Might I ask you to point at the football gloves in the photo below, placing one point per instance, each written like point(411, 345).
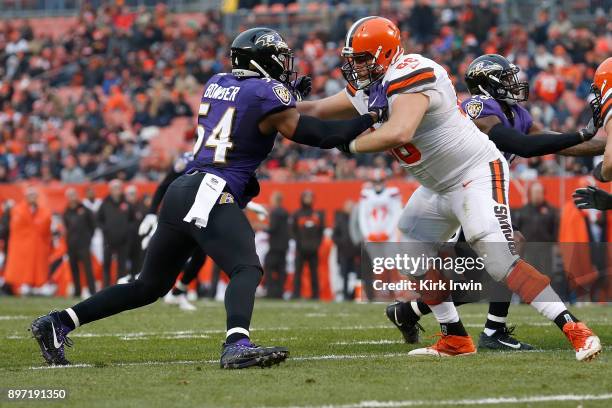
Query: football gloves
point(377, 100)
point(592, 197)
point(589, 131)
point(302, 87)
point(146, 229)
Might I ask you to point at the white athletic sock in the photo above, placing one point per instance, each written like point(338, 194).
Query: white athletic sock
point(445, 312)
point(237, 330)
point(74, 317)
point(415, 308)
point(498, 319)
point(548, 303)
point(181, 286)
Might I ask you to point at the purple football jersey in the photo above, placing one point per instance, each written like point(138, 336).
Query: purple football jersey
point(480, 106)
point(229, 142)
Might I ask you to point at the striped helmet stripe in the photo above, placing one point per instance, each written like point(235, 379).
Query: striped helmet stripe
point(351, 31)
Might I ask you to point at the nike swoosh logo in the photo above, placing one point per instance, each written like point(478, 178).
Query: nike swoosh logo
point(56, 343)
point(514, 346)
point(467, 183)
point(395, 317)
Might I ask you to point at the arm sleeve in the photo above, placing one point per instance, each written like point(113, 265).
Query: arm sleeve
point(512, 141)
point(327, 134)
point(160, 191)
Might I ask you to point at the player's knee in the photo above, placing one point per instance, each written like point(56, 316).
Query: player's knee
point(247, 271)
point(497, 256)
point(526, 281)
point(149, 291)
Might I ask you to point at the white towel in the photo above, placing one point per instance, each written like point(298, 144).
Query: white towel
point(208, 193)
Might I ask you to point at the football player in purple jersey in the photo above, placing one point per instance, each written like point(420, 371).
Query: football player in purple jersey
point(239, 117)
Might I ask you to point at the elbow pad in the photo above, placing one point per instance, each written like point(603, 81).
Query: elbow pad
point(327, 134)
point(510, 140)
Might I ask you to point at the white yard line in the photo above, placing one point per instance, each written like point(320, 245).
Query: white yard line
point(15, 317)
point(304, 358)
point(468, 402)
point(179, 333)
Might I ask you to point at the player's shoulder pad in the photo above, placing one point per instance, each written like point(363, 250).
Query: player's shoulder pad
point(275, 90)
point(412, 73)
point(477, 106)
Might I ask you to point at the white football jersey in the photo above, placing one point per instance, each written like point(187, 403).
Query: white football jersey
point(446, 144)
point(379, 212)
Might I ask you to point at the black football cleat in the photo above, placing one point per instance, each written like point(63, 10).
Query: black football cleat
point(502, 340)
point(408, 326)
point(244, 354)
point(51, 337)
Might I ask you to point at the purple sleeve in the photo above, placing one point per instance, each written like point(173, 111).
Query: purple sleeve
point(482, 106)
point(274, 97)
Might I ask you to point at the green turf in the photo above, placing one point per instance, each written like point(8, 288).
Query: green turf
point(159, 357)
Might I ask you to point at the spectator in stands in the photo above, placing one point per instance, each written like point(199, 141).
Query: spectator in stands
point(72, 173)
point(80, 225)
point(275, 262)
point(114, 218)
point(29, 245)
point(422, 22)
point(549, 86)
point(308, 225)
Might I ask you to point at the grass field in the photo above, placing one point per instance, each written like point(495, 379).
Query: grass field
point(341, 355)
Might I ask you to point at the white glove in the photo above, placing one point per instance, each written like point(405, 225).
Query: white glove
point(147, 229)
point(258, 209)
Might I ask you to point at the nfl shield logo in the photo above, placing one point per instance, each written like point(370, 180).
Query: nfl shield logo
point(473, 108)
point(282, 93)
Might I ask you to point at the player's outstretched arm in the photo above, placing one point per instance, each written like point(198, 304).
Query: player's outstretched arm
point(337, 106)
point(312, 131)
point(590, 147)
point(408, 111)
point(510, 140)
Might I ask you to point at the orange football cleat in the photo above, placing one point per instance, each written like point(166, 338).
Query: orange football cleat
point(447, 346)
point(584, 341)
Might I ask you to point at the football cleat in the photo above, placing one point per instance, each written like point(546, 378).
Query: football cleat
point(408, 327)
point(584, 341)
point(244, 354)
point(51, 336)
point(502, 340)
point(447, 346)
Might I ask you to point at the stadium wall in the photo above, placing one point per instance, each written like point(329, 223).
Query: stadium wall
point(329, 196)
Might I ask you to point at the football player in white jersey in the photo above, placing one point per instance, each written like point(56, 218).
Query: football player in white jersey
point(380, 207)
point(464, 178)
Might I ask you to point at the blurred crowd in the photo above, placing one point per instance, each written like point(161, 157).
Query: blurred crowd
point(85, 105)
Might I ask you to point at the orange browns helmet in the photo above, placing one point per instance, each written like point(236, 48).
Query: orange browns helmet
point(602, 89)
point(372, 44)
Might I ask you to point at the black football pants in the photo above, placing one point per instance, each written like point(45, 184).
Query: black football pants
point(228, 239)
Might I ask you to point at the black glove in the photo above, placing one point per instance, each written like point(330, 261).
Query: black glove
point(597, 173)
point(302, 87)
point(592, 197)
point(589, 131)
point(344, 148)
